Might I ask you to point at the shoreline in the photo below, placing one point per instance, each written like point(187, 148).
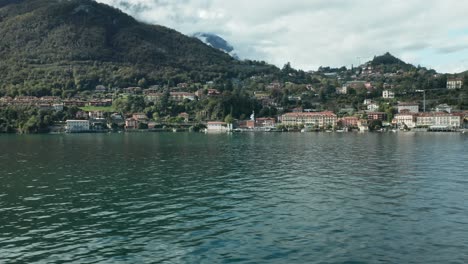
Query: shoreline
point(460, 131)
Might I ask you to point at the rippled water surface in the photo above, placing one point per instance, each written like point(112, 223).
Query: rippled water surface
point(247, 198)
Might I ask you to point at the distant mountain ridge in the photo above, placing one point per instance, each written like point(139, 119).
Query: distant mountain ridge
point(216, 42)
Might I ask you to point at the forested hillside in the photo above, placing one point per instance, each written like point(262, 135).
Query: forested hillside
point(50, 46)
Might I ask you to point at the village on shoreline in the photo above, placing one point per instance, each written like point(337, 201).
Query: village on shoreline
point(94, 117)
point(370, 97)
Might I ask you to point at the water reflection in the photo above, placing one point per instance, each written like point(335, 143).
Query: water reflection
point(271, 198)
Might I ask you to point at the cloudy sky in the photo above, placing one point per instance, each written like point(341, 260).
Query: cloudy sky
point(311, 33)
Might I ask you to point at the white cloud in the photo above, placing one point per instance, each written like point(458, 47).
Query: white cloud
point(310, 33)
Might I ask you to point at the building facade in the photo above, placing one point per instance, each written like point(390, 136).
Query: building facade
point(372, 107)
point(217, 126)
point(377, 116)
point(349, 121)
point(443, 108)
point(405, 119)
point(77, 126)
point(441, 119)
point(317, 119)
point(387, 94)
point(409, 107)
point(454, 83)
point(181, 96)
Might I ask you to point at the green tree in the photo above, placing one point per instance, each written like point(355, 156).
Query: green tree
point(229, 119)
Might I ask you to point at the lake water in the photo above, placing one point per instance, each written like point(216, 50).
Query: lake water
point(238, 198)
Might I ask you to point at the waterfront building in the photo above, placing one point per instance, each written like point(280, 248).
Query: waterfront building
point(349, 121)
point(410, 107)
point(218, 126)
point(363, 125)
point(439, 119)
point(405, 119)
point(77, 126)
point(318, 119)
point(135, 121)
point(265, 122)
point(131, 123)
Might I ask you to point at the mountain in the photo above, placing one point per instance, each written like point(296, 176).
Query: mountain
point(389, 63)
point(49, 46)
point(387, 59)
point(216, 42)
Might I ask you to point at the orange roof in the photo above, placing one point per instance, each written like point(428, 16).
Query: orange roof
point(325, 113)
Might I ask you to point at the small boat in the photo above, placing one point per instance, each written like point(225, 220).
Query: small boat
point(307, 129)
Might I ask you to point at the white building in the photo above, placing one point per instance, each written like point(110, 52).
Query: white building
point(77, 126)
point(439, 119)
point(342, 90)
point(96, 114)
point(387, 94)
point(410, 107)
point(407, 119)
point(363, 126)
point(217, 126)
point(372, 107)
point(181, 96)
point(58, 107)
point(454, 83)
point(318, 119)
point(368, 101)
point(443, 108)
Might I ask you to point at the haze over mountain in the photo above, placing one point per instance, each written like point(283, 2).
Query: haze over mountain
point(80, 43)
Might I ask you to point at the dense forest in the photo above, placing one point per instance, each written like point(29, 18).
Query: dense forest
point(50, 46)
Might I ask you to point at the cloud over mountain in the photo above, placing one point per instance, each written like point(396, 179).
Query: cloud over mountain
point(312, 33)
